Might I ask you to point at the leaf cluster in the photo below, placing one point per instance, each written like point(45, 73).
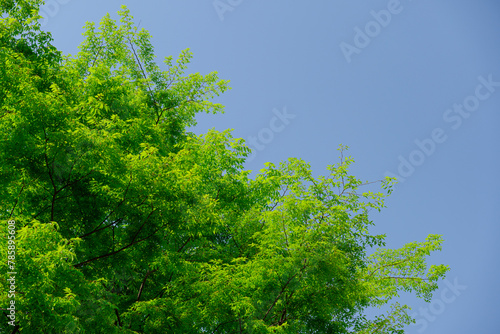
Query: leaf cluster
point(128, 223)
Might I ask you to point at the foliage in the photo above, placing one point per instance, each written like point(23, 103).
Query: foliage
point(127, 223)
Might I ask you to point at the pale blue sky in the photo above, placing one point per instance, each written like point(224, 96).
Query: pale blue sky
point(379, 99)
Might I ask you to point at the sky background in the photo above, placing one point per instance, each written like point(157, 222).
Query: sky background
point(390, 89)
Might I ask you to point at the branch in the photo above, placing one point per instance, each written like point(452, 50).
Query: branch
point(286, 236)
point(117, 206)
point(283, 290)
point(391, 264)
point(143, 224)
point(16, 329)
point(406, 278)
point(96, 57)
point(155, 103)
point(54, 194)
point(17, 200)
point(133, 242)
point(143, 283)
point(184, 245)
point(222, 324)
point(118, 317)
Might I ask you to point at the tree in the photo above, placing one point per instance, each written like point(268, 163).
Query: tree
point(125, 222)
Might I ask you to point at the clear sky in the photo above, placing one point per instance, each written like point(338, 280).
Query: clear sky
point(412, 87)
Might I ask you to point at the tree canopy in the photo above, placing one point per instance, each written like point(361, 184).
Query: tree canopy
point(126, 222)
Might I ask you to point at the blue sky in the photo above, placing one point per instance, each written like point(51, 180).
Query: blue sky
point(412, 87)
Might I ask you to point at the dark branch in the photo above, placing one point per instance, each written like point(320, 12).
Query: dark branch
point(143, 283)
point(133, 242)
